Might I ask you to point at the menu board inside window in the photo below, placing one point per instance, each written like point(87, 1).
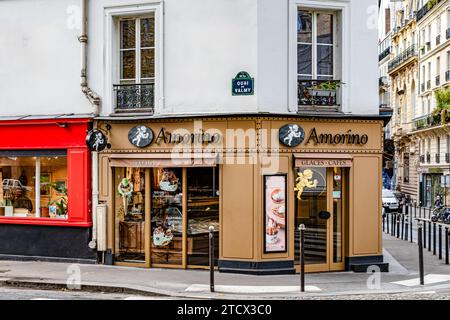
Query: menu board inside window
point(275, 222)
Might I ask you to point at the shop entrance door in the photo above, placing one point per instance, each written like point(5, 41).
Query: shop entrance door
point(322, 209)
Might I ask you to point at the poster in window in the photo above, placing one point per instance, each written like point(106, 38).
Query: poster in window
point(275, 222)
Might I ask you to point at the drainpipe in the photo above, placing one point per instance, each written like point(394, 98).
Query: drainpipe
point(94, 99)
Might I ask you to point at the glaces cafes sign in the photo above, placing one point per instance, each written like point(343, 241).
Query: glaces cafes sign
point(292, 135)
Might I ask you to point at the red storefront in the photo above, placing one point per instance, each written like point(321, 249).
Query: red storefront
point(45, 169)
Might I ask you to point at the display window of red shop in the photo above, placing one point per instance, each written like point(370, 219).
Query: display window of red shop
point(45, 173)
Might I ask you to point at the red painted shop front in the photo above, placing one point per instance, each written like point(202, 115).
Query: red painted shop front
point(45, 197)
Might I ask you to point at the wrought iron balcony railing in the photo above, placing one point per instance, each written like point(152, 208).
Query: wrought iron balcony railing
point(321, 93)
point(438, 39)
point(134, 97)
point(437, 158)
point(428, 84)
point(447, 75)
point(426, 121)
point(425, 9)
point(428, 157)
point(422, 87)
point(438, 80)
point(403, 57)
point(384, 54)
point(447, 157)
point(447, 34)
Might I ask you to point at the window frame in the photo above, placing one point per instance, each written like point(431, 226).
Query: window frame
point(315, 44)
point(343, 54)
point(111, 43)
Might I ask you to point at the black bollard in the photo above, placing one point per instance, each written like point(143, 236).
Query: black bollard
point(403, 226)
point(302, 229)
point(434, 238)
point(429, 235)
point(446, 245)
point(398, 226)
point(419, 241)
point(440, 242)
point(211, 258)
point(424, 234)
point(407, 227)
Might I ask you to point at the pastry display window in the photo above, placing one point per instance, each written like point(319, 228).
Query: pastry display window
point(202, 212)
point(130, 214)
point(167, 216)
point(34, 185)
point(162, 215)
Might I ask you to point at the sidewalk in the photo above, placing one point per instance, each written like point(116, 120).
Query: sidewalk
point(401, 255)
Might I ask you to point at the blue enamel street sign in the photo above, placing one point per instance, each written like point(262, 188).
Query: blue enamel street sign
point(242, 84)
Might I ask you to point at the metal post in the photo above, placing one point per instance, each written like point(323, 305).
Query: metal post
point(398, 226)
point(434, 238)
point(302, 229)
point(387, 223)
point(440, 242)
point(403, 226)
point(424, 235)
point(411, 229)
point(419, 240)
point(429, 235)
point(446, 245)
point(211, 258)
point(383, 215)
point(407, 226)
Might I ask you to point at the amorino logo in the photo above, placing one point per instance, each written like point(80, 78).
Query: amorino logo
point(339, 138)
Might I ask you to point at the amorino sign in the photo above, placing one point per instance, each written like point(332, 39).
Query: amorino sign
point(292, 135)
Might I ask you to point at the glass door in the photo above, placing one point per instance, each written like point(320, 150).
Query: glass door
point(320, 207)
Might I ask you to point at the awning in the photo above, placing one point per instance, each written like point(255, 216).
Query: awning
point(322, 160)
point(164, 160)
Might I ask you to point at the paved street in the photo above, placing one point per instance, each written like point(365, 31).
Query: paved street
point(112, 282)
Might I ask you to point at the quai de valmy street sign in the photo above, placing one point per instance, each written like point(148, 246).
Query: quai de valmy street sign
point(242, 84)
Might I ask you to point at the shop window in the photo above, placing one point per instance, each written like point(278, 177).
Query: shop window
point(34, 185)
point(130, 214)
point(167, 216)
point(202, 212)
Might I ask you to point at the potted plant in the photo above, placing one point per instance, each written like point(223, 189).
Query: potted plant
point(442, 105)
point(325, 92)
point(58, 207)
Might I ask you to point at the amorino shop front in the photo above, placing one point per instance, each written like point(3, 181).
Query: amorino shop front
point(255, 179)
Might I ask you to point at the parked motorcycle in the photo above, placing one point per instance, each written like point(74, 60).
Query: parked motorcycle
point(441, 214)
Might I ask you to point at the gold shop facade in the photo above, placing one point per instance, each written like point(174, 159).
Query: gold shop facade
point(255, 180)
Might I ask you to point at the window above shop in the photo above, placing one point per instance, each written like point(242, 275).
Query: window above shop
point(34, 184)
point(318, 60)
point(133, 48)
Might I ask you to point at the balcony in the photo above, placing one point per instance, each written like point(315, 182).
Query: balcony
point(428, 157)
point(384, 54)
point(422, 159)
point(438, 40)
point(438, 80)
point(437, 158)
point(402, 57)
point(425, 9)
point(447, 157)
point(426, 121)
point(447, 75)
point(319, 93)
point(134, 97)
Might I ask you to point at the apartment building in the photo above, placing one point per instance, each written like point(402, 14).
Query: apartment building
point(251, 117)
point(430, 127)
point(403, 73)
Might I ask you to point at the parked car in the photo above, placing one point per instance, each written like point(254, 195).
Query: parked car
point(390, 202)
point(13, 184)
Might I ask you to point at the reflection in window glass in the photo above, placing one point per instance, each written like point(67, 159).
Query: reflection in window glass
point(130, 214)
point(202, 212)
point(167, 219)
point(21, 196)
